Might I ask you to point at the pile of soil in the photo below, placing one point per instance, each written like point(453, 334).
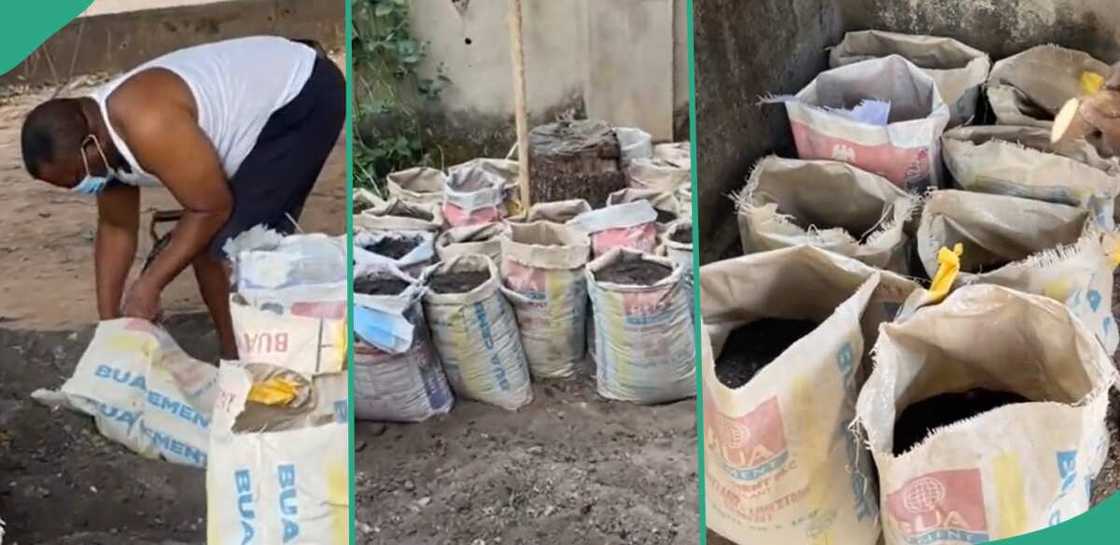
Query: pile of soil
point(751, 347)
point(379, 285)
point(665, 216)
point(636, 272)
point(458, 281)
point(683, 236)
point(917, 421)
point(394, 247)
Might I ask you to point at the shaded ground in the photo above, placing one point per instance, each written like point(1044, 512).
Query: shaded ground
point(571, 468)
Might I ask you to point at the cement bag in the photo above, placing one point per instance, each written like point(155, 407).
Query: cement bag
point(397, 376)
point(265, 263)
point(781, 463)
point(643, 329)
point(676, 244)
point(656, 174)
point(1021, 162)
point(557, 211)
point(310, 338)
point(684, 197)
point(542, 277)
point(1031, 87)
point(665, 204)
point(1015, 469)
point(482, 239)
point(829, 204)
point(633, 144)
point(1032, 246)
point(420, 185)
point(143, 391)
point(958, 70)
point(475, 334)
point(409, 251)
point(279, 469)
point(632, 225)
point(676, 153)
point(904, 147)
point(501, 171)
point(397, 214)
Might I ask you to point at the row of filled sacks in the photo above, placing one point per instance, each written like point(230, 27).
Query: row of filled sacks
point(1039, 247)
point(492, 326)
point(845, 403)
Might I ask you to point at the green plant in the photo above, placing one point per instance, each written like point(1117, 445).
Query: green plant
point(389, 91)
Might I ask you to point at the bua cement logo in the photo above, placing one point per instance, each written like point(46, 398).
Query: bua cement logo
point(941, 507)
point(751, 446)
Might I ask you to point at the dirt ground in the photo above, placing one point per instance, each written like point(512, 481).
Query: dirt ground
point(61, 482)
point(571, 468)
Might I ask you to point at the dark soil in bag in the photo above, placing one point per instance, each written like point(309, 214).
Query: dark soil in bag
point(664, 216)
point(458, 282)
point(753, 346)
point(641, 273)
point(394, 247)
point(683, 236)
point(918, 420)
point(380, 286)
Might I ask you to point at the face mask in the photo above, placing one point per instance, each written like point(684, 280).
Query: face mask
point(92, 185)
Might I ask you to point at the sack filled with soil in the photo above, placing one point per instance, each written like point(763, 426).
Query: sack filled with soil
point(633, 143)
point(1022, 162)
point(829, 204)
point(676, 244)
point(632, 225)
point(556, 211)
point(475, 332)
point(958, 69)
point(409, 251)
point(542, 277)
point(656, 175)
point(784, 348)
point(1028, 89)
point(1007, 466)
point(396, 214)
point(840, 116)
point(420, 185)
point(484, 239)
point(1032, 246)
point(397, 376)
point(664, 203)
point(481, 191)
point(641, 306)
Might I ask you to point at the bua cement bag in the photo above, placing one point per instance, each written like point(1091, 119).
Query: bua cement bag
point(556, 211)
point(278, 468)
point(1030, 88)
point(542, 277)
point(397, 376)
point(396, 214)
point(829, 204)
point(643, 331)
point(632, 225)
point(308, 337)
point(664, 203)
point(475, 334)
point(905, 150)
point(143, 391)
point(409, 251)
point(782, 465)
point(481, 191)
point(1021, 162)
point(421, 185)
point(266, 263)
point(958, 70)
point(1015, 469)
point(1032, 246)
point(482, 239)
point(633, 144)
point(676, 244)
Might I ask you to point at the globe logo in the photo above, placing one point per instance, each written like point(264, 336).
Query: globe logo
point(923, 495)
point(740, 435)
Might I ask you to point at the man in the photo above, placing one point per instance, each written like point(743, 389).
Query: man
point(237, 131)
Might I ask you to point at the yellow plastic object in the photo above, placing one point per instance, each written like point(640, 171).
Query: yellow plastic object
point(274, 391)
point(1091, 82)
point(949, 262)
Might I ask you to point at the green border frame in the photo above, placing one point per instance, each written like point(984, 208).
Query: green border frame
point(352, 442)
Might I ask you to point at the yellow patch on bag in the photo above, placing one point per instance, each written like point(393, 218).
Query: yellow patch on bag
point(1011, 496)
point(274, 391)
point(1091, 82)
point(949, 267)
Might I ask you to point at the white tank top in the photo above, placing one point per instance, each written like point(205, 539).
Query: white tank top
point(237, 84)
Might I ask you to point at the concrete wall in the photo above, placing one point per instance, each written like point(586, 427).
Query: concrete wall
point(101, 7)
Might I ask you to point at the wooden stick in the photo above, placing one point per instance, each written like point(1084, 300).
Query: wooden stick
point(519, 108)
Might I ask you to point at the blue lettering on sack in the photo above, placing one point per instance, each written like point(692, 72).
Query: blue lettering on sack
point(1067, 472)
point(154, 398)
point(289, 507)
point(341, 411)
point(168, 444)
point(243, 485)
point(1094, 300)
point(488, 342)
point(859, 483)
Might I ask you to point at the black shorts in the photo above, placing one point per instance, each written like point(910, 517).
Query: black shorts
point(274, 180)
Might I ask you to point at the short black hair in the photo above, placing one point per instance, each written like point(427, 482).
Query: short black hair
point(54, 127)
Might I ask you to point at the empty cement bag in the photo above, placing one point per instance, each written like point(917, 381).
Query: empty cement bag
point(542, 277)
point(664, 203)
point(397, 376)
point(905, 149)
point(642, 308)
point(475, 332)
point(1022, 162)
point(1032, 246)
point(482, 239)
point(958, 69)
point(829, 204)
point(1028, 89)
point(142, 391)
point(308, 337)
point(676, 244)
point(409, 251)
point(421, 185)
point(481, 191)
point(396, 214)
point(278, 468)
point(266, 263)
point(784, 345)
point(985, 415)
point(633, 144)
point(631, 225)
point(678, 154)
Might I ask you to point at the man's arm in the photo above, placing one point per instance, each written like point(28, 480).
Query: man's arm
point(118, 220)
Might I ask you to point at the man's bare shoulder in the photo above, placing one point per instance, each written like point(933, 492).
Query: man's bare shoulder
point(148, 100)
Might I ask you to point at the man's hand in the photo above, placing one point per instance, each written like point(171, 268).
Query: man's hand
point(142, 301)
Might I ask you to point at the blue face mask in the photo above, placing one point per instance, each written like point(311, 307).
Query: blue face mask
point(92, 185)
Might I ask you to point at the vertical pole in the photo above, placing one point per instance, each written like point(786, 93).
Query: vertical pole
point(520, 110)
